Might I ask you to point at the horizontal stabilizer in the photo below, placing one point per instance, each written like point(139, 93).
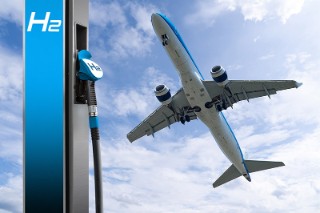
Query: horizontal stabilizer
point(255, 166)
point(230, 174)
point(251, 165)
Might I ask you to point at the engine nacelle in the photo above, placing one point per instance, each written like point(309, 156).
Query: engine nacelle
point(163, 94)
point(219, 75)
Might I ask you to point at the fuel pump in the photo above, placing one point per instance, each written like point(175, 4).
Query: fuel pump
point(89, 73)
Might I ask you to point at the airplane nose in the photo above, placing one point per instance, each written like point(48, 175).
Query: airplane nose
point(154, 18)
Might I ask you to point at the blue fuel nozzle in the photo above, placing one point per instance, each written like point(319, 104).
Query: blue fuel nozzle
point(89, 70)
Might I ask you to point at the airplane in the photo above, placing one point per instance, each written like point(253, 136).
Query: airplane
point(199, 98)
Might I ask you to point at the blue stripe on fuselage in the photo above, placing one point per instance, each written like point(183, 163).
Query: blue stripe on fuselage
point(174, 29)
point(236, 142)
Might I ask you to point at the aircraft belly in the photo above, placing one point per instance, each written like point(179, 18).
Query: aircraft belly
point(197, 95)
point(176, 53)
point(174, 48)
point(224, 138)
point(213, 120)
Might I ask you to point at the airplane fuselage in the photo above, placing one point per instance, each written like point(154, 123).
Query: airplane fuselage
point(196, 93)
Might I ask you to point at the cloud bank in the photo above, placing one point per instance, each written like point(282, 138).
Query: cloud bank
point(207, 11)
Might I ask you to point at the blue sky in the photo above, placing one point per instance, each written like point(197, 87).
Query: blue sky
point(173, 172)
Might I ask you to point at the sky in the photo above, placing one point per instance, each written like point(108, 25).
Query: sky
point(174, 172)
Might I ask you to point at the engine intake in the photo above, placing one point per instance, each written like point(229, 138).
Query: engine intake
point(219, 75)
point(163, 94)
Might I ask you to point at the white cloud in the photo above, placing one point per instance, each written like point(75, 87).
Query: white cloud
point(130, 42)
point(133, 188)
point(206, 11)
point(103, 15)
point(254, 10)
point(294, 105)
point(11, 116)
point(298, 105)
point(142, 16)
point(11, 106)
point(285, 9)
point(255, 39)
point(121, 31)
point(266, 57)
point(11, 194)
point(11, 149)
point(258, 10)
point(233, 67)
point(10, 74)
point(176, 176)
point(12, 11)
point(136, 100)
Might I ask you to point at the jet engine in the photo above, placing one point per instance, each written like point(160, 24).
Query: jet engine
point(219, 75)
point(163, 94)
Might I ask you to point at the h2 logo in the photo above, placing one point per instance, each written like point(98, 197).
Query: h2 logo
point(54, 25)
point(94, 66)
point(91, 70)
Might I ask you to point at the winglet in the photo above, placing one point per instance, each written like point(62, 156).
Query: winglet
point(298, 84)
point(130, 137)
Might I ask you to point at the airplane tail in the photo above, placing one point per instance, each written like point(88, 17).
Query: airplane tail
point(252, 166)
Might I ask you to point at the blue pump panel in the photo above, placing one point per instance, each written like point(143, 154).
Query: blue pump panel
point(43, 106)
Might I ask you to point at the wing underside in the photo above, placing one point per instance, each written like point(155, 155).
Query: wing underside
point(163, 116)
point(238, 90)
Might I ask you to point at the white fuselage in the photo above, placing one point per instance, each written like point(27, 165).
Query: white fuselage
point(196, 93)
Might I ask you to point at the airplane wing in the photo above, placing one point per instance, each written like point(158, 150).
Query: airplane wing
point(163, 117)
point(238, 90)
